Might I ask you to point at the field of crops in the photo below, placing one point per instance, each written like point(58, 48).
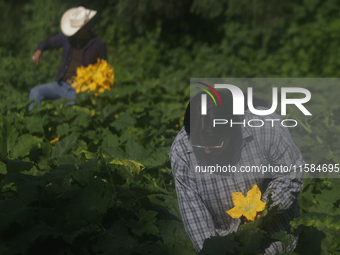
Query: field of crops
point(105, 185)
point(95, 178)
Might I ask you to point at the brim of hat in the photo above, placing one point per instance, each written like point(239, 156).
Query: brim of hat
point(65, 23)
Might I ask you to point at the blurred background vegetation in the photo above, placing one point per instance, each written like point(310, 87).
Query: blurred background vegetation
point(169, 42)
point(155, 47)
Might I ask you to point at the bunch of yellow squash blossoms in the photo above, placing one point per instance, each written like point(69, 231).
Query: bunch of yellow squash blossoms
point(97, 77)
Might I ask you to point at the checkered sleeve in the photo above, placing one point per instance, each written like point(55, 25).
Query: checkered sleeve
point(52, 42)
point(282, 151)
point(197, 220)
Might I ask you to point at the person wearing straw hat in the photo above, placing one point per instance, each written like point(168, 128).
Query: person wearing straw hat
point(80, 48)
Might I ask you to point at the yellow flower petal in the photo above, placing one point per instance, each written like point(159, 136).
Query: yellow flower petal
point(54, 140)
point(97, 77)
point(247, 206)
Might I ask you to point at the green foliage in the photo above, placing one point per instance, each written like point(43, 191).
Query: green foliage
point(252, 238)
point(105, 187)
point(317, 220)
point(100, 187)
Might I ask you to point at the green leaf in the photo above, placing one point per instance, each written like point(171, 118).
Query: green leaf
point(15, 165)
point(88, 204)
point(124, 121)
point(306, 197)
point(319, 153)
point(251, 241)
point(27, 185)
point(167, 203)
point(311, 241)
point(35, 124)
point(108, 111)
point(68, 159)
point(3, 138)
point(24, 144)
point(13, 210)
point(31, 236)
point(157, 159)
point(86, 155)
point(133, 166)
point(122, 171)
point(63, 129)
point(126, 198)
point(82, 120)
point(58, 175)
point(219, 245)
point(70, 237)
point(64, 145)
point(281, 236)
point(144, 224)
point(323, 208)
point(115, 237)
point(12, 137)
point(329, 195)
point(80, 146)
point(83, 110)
point(83, 176)
point(317, 220)
point(3, 169)
point(175, 237)
point(110, 146)
point(135, 151)
point(143, 189)
point(90, 164)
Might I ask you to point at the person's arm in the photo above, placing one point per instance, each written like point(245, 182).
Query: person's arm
point(197, 220)
point(282, 150)
point(50, 43)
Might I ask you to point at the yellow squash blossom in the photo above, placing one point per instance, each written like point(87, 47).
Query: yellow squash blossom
point(247, 206)
point(54, 140)
point(98, 77)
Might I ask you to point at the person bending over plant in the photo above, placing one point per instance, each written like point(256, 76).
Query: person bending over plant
point(80, 48)
point(208, 164)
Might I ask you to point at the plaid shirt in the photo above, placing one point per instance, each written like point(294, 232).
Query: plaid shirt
point(94, 49)
point(204, 198)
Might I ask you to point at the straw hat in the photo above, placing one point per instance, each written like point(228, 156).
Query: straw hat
point(74, 19)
